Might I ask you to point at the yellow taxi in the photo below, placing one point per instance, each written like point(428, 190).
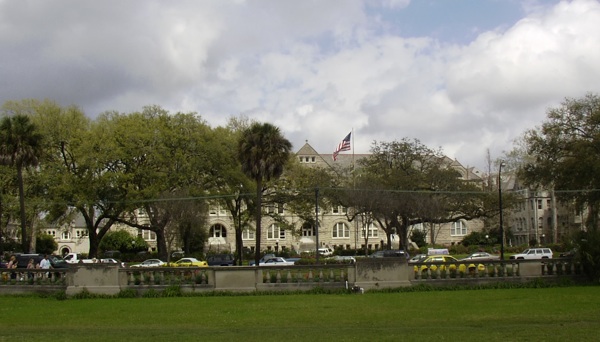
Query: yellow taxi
point(187, 262)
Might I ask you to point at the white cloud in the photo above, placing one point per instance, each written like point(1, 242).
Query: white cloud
point(315, 68)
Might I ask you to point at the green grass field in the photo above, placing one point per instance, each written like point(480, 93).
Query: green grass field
point(544, 314)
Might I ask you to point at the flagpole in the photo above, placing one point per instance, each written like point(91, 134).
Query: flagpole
point(352, 150)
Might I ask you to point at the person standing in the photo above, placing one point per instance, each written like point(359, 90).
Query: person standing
point(45, 264)
point(12, 264)
point(30, 265)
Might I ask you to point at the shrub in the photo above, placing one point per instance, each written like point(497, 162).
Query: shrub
point(172, 291)
point(127, 293)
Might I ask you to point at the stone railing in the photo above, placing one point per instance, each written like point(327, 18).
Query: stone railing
point(365, 274)
point(33, 280)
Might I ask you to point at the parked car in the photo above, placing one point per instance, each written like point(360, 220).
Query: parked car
point(187, 262)
point(569, 254)
point(533, 253)
point(262, 260)
point(112, 255)
point(220, 260)
point(481, 256)
point(112, 261)
point(277, 261)
point(177, 254)
point(150, 263)
point(325, 251)
point(345, 259)
point(55, 261)
point(417, 258)
point(390, 253)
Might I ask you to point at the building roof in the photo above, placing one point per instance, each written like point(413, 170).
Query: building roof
point(346, 159)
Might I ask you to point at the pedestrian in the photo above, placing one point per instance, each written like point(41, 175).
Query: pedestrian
point(30, 265)
point(45, 264)
point(12, 264)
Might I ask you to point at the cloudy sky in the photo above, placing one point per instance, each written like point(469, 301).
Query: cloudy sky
point(463, 75)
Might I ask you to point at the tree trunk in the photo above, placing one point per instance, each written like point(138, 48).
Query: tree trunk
point(161, 244)
point(94, 244)
point(258, 219)
point(24, 243)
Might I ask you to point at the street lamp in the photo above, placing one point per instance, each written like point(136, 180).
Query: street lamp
point(500, 204)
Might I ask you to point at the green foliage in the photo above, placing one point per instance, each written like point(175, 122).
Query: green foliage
point(127, 293)
point(564, 150)
point(589, 253)
point(263, 152)
point(475, 238)
point(172, 291)
point(20, 147)
point(419, 237)
point(123, 241)
point(45, 244)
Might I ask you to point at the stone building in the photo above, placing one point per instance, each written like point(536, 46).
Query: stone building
point(335, 231)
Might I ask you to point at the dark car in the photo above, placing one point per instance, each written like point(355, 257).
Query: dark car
point(55, 261)
point(220, 260)
point(390, 253)
point(569, 254)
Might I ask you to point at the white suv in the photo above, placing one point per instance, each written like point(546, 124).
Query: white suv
point(325, 252)
point(534, 253)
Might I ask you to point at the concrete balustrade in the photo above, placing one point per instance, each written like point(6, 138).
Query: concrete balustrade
point(366, 274)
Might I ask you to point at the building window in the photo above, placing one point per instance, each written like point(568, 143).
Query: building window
point(147, 235)
point(458, 229)
point(539, 204)
point(66, 235)
point(247, 234)
point(373, 232)
point(81, 233)
point(215, 209)
point(218, 230)
point(51, 232)
point(341, 230)
point(275, 233)
point(339, 210)
point(273, 208)
point(308, 230)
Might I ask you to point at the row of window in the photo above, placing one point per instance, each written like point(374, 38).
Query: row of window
point(340, 230)
point(66, 235)
point(216, 210)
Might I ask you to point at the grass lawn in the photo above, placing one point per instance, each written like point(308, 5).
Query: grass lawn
point(544, 314)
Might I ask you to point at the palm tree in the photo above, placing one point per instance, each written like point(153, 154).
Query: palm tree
point(20, 147)
point(263, 152)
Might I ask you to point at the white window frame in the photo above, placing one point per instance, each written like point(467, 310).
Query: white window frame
point(458, 228)
point(148, 235)
point(372, 229)
point(308, 230)
point(274, 232)
point(248, 234)
point(340, 231)
point(218, 230)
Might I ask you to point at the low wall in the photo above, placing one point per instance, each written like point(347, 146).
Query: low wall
point(366, 274)
point(378, 273)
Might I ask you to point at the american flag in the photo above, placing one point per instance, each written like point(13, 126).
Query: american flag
point(343, 146)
